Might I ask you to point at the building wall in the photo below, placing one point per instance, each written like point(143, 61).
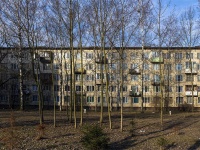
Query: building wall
point(134, 58)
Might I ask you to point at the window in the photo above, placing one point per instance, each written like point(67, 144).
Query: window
point(78, 77)
point(78, 88)
point(178, 56)
point(125, 77)
point(14, 66)
point(113, 88)
point(67, 88)
point(146, 88)
point(125, 100)
point(47, 98)
point(188, 65)
point(134, 66)
point(134, 88)
point(146, 55)
point(99, 99)
point(167, 66)
point(56, 66)
point(198, 55)
point(78, 66)
point(189, 55)
point(146, 66)
point(47, 88)
point(90, 88)
point(168, 89)
point(57, 98)
point(198, 77)
point(146, 99)
point(167, 55)
point(3, 98)
point(98, 76)
point(67, 99)
point(89, 66)
point(189, 78)
point(89, 55)
point(198, 100)
point(146, 77)
point(56, 77)
point(156, 66)
point(90, 77)
point(135, 99)
point(35, 98)
point(124, 88)
point(156, 88)
point(156, 78)
point(179, 78)
point(178, 66)
point(78, 56)
point(34, 88)
point(124, 56)
point(67, 77)
point(56, 87)
point(67, 55)
point(179, 88)
point(67, 66)
point(134, 77)
point(134, 55)
point(168, 77)
point(113, 66)
point(90, 99)
point(46, 66)
point(124, 66)
point(179, 100)
point(198, 66)
point(155, 54)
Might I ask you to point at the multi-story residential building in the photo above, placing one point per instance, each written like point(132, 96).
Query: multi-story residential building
point(175, 71)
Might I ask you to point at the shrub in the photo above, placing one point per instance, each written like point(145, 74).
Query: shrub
point(162, 142)
point(94, 138)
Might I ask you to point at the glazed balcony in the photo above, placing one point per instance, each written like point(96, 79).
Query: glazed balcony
point(79, 71)
point(188, 71)
point(134, 71)
point(134, 94)
point(189, 93)
point(156, 82)
point(157, 60)
point(100, 60)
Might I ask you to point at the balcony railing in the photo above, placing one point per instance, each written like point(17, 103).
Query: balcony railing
point(79, 71)
point(188, 71)
point(189, 93)
point(45, 60)
point(156, 82)
point(134, 94)
point(100, 60)
point(134, 71)
point(157, 60)
point(99, 81)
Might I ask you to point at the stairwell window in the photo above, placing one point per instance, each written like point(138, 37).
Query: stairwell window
point(125, 100)
point(90, 99)
point(179, 89)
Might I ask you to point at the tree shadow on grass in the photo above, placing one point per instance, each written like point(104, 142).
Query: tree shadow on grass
point(195, 146)
point(125, 143)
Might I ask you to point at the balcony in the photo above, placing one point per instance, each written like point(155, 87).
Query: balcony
point(134, 94)
point(189, 93)
point(98, 82)
point(188, 71)
point(134, 71)
point(156, 82)
point(46, 78)
point(79, 71)
point(157, 60)
point(78, 93)
point(45, 60)
point(100, 60)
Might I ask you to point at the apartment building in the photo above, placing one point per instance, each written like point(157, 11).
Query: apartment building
point(148, 75)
